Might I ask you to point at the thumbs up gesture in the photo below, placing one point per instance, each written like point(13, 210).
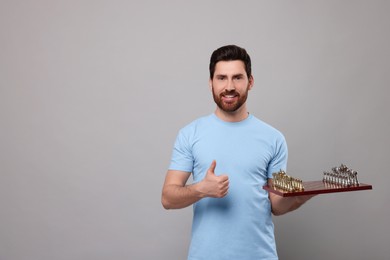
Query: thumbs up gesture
point(213, 185)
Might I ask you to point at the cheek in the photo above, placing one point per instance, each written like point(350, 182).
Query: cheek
point(215, 92)
point(216, 88)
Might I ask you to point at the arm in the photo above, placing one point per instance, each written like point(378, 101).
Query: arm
point(282, 205)
point(176, 194)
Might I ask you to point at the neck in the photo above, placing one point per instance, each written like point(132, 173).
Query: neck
point(236, 116)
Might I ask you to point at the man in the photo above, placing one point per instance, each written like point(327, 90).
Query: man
point(231, 155)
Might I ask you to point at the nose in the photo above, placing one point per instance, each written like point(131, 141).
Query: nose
point(230, 85)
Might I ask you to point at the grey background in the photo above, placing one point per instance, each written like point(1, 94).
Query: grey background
point(92, 94)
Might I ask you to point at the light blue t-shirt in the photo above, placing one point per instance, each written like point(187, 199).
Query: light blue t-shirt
point(238, 226)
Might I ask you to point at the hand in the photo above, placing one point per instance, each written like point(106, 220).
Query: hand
point(213, 185)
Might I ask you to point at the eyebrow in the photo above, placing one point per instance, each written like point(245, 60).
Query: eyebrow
point(234, 75)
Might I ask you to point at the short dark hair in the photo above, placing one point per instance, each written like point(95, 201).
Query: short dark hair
point(230, 53)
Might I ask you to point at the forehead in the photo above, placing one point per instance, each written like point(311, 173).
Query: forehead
point(230, 67)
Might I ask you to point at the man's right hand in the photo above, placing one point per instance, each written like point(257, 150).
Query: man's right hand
point(176, 194)
point(212, 185)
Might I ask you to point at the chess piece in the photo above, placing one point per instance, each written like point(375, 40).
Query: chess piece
point(341, 176)
point(285, 182)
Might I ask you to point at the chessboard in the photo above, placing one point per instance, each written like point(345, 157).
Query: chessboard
point(318, 187)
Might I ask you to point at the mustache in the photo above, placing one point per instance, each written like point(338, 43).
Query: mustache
point(230, 93)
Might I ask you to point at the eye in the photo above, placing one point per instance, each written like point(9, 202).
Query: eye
point(221, 77)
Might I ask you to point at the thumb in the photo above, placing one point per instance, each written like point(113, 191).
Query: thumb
point(212, 168)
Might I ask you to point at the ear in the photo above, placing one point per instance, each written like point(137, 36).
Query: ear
point(251, 82)
point(211, 84)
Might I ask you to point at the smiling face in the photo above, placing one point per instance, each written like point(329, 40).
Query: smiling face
point(230, 85)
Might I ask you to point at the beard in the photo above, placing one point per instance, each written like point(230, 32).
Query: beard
point(233, 105)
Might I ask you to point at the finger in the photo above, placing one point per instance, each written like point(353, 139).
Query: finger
point(212, 167)
point(224, 185)
point(224, 177)
point(225, 192)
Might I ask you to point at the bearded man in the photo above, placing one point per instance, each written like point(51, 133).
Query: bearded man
point(231, 155)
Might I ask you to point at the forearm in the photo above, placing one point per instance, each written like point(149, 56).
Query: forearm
point(177, 197)
point(282, 205)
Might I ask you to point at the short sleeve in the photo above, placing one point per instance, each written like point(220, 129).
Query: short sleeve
point(182, 158)
point(279, 161)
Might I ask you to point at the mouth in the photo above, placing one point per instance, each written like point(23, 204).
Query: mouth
point(229, 98)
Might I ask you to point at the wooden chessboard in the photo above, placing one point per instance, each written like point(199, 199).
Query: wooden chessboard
point(318, 187)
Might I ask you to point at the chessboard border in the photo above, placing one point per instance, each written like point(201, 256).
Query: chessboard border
point(321, 190)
